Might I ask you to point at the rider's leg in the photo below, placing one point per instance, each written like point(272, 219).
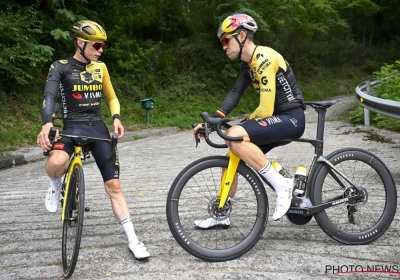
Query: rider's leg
point(55, 168)
point(121, 212)
point(118, 201)
point(254, 157)
point(56, 164)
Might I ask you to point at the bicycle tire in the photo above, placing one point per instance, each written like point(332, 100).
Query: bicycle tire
point(362, 222)
point(191, 197)
point(73, 221)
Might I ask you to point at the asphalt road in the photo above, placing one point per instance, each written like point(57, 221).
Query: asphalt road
point(30, 237)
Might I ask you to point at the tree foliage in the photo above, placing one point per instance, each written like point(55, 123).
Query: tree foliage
point(21, 50)
point(153, 42)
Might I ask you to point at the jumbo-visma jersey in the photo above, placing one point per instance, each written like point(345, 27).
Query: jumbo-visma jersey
point(273, 78)
point(80, 86)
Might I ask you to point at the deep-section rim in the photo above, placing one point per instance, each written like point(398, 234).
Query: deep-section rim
point(77, 180)
point(385, 220)
point(179, 233)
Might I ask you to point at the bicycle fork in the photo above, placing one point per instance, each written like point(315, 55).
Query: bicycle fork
point(227, 179)
point(75, 160)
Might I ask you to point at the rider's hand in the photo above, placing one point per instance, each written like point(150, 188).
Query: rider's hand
point(118, 128)
point(43, 140)
point(202, 136)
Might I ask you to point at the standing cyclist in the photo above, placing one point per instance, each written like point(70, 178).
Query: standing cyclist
point(81, 80)
point(280, 114)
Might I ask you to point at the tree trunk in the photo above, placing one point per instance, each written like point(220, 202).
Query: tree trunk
point(372, 31)
point(350, 22)
point(365, 31)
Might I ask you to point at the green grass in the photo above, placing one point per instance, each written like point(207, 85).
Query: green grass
point(177, 105)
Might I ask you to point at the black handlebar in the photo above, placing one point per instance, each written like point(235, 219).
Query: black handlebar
point(216, 123)
point(85, 139)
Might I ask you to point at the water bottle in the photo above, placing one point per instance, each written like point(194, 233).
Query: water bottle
point(300, 178)
point(280, 169)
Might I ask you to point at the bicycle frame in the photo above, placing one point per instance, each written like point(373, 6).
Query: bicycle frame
point(229, 173)
point(76, 159)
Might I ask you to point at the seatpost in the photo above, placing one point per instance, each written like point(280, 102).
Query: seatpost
point(321, 122)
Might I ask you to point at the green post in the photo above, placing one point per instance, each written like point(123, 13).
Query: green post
point(148, 104)
point(148, 117)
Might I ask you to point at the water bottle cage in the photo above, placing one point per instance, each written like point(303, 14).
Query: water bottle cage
point(299, 184)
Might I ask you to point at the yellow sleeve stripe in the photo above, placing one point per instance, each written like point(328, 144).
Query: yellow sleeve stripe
point(108, 90)
point(220, 113)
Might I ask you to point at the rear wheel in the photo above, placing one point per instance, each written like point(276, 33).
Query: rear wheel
point(362, 221)
point(73, 220)
point(193, 197)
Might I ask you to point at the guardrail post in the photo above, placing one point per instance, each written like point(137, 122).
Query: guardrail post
point(366, 111)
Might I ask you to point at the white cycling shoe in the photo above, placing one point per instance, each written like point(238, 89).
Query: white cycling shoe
point(139, 250)
point(52, 199)
point(283, 200)
point(212, 223)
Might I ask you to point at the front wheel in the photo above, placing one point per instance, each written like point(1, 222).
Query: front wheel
point(356, 222)
point(193, 198)
point(73, 220)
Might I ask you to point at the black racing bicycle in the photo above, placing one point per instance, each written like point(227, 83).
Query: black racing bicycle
point(73, 198)
point(350, 193)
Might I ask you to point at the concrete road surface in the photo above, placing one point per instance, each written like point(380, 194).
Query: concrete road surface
point(30, 237)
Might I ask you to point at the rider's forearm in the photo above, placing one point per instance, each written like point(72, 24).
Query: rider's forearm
point(234, 95)
point(50, 92)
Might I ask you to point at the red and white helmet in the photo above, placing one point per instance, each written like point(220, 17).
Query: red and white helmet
point(236, 21)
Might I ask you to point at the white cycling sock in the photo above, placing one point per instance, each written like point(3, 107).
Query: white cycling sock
point(55, 184)
point(274, 178)
point(127, 226)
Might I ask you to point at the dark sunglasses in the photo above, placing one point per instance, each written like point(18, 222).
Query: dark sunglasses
point(225, 40)
point(96, 45)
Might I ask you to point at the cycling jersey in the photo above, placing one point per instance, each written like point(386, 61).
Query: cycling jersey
point(80, 86)
point(273, 80)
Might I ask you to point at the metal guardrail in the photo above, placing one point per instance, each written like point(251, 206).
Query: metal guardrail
point(385, 107)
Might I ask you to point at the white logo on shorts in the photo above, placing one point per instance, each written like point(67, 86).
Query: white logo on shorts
point(294, 122)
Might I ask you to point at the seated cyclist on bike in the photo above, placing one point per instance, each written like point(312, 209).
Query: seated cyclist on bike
point(81, 81)
point(280, 114)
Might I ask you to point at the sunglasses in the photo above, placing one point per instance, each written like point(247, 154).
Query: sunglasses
point(225, 40)
point(96, 45)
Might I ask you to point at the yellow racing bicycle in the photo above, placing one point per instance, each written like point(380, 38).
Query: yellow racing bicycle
point(73, 198)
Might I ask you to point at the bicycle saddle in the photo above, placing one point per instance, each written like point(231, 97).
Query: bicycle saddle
point(323, 104)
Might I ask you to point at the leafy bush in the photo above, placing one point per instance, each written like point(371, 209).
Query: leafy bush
point(21, 53)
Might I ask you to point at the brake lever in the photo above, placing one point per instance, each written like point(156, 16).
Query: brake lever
point(112, 146)
point(52, 135)
point(196, 135)
point(202, 131)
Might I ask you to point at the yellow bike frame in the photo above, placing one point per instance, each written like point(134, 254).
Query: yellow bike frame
point(227, 178)
point(75, 160)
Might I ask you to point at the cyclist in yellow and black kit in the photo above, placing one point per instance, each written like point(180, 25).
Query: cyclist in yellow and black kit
point(279, 115)
point(81, 81)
